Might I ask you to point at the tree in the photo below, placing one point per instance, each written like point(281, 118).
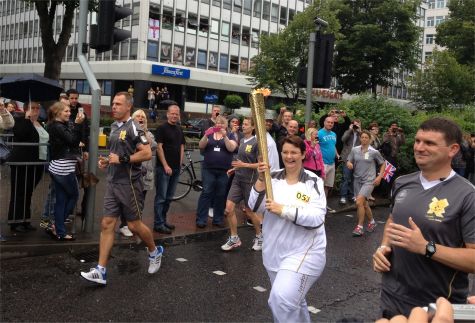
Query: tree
point(378, 37)
point(443, 82)
point(233, 101)
point(277, 64)
point(53, 51)
point(457, 33)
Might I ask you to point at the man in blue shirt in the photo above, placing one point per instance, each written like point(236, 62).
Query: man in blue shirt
point(327, 140)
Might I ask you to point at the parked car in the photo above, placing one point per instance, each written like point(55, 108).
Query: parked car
point(193, 127)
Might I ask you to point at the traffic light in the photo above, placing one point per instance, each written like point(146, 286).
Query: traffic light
point(104, 35)
point(322, 63)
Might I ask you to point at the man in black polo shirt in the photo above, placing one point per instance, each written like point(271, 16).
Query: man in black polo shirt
point(170, 149)
point(428, 245)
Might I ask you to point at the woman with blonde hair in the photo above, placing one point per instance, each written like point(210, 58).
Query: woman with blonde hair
point(64, 143)
point(313, 155)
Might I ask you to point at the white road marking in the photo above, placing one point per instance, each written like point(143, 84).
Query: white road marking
point(181, 259)
point(219, 272)
point(313, 310)
point(260, 289)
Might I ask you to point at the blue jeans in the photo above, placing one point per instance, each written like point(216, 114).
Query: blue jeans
point(214, 188)
point(346, 187)
point(67, 194)
point(48, 210)
point(165, 186)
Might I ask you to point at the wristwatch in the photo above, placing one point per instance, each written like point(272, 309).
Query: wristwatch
point(124, 159)
point(430, 249)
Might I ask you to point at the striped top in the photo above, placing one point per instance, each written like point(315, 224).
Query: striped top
point(62, 167)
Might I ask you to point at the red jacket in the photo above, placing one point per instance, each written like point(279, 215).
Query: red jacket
point(313, 158)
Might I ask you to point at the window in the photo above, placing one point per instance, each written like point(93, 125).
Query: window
point(255, 38)
point(165, 53)
point(439, 20)
point(266, 10)
point(227, 4)
point(234, 66)
point(431, 4)
point(440, 3)
point(430, 39)
point(190, 56)
point(202, 57)
point(238, 6)
point(245, 36)
point(213, 61)
point(136, 13)
point(225, 31)
point(247, 7)
point(283, 15)
point(167, 19)
point(204, 26)
point(214, 28)
point(427, 55)
point(152, 51)
point(236, 34)
point(217, 3)
point(430, 22)
point(126, 21)
point(115, 51)
point(244, 63)
point(178, 55)
point(58, 25)
point(180, 21)
point(192, 24)
point(275, 13)
point(257, 8)
point(107, 87)
point(223, 63)
point(133, 48)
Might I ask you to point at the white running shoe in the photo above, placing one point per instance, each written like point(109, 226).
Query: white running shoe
point(210, 213)
point(94, 275)
point(155, 262)
point(231, 244)
point(257, 243)
point(126, 231)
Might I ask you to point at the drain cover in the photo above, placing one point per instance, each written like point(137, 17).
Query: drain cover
point(86, 256)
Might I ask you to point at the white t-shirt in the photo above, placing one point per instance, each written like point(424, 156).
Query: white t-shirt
point(300, 245)
point(272, 153)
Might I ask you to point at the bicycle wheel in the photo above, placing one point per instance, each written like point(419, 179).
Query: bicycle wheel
point(185, 182)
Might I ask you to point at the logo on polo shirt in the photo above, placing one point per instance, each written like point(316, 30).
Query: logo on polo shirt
point(437, 209)
point(248, 148)
point(122, 135)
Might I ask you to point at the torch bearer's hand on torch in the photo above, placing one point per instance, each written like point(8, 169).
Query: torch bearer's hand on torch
point(261, 169)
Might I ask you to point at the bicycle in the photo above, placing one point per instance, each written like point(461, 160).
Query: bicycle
point(187, 179)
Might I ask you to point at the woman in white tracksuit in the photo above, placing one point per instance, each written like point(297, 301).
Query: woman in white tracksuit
point(294, 245)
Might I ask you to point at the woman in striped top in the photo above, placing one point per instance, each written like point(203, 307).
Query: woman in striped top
point(64, 145)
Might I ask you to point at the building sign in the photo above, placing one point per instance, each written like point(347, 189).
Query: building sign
point(327, 95)
point(181, 73)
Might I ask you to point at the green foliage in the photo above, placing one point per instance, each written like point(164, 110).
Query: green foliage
point(105, 121)
point(443, 82)
point(277, 64)
point(233, 101)
point(457, 33)
point(378, 36)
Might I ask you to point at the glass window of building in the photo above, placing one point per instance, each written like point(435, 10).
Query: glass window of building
point(247, 7)
point(255, 38)
point(217, 3)
point(204, 26)
point(178, 55)
point(236, 34)
point(223, 63)
point(440, 3)
point(126, 20)
point(227, 4)
point(431, 4)
point(275, 13)
point(133, 48)
point(165, 53)
point(180, 21)
point(192, 23)
point(136, 13)
point(214, 29)
point(225, 31)
point(213, 61)
point(430, 22)
point(283, 15)
point(152, 51)
point(234, 65)
point(257, 8)
point(107, 87)
point(246, 36)
point(190, 56)
point(202, 57)
point(115, 52)
point(430, 38)
point(427, 55)
point(266, 10)
point(167, 18)
point(237, 6)
point(439, 20)
point(244, 65)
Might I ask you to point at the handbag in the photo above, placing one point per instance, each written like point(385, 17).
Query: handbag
point(85, 179)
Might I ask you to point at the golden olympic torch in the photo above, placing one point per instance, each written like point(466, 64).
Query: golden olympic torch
point(258, 114)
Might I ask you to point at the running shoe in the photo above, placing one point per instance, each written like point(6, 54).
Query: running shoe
point(357, 231)
point(371, 227)
point(257, 243)
point(343, 200)
point(210, 212)
point(126, 231)
point(94, 275)
point(155, 262)
point(231, 244)
point(330, 210)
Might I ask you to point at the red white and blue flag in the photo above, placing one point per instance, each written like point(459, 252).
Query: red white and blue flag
point(389, 171)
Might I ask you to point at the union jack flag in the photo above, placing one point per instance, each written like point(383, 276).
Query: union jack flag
point(389, 171)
